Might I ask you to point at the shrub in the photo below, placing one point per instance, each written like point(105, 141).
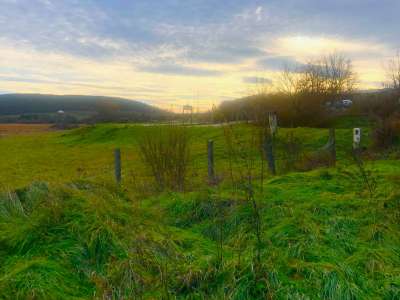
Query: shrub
point(311, 161)
point(167, 154)
point(292, 149)
point(386, 132)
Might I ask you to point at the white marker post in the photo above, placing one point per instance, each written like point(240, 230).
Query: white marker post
point(356, 138)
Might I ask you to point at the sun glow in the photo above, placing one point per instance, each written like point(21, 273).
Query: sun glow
point(306, 46)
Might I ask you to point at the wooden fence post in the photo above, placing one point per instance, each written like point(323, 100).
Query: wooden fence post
point(269, 153)
point(332, 139)
point(210, 154)
point(117, 165)
point(273, 122)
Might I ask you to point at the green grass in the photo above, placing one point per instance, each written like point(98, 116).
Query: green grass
point(60, 157)
point(349, 121)
point(78, 236)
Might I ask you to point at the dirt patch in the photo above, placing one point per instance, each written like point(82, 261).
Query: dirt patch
point(24, 129)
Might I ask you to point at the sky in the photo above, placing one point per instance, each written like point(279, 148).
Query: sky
point(174, 52)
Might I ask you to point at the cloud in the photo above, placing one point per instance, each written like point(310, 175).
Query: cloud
point(119, 48)
point(257, 80)
point(251, 14)
point(223, 43)
point(181, 70)
point(258, 13)
point(278, 63)
point(84, 84)
point(225, 54)
point(29, 71)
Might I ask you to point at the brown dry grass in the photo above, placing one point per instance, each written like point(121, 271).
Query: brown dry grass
point(23, 129)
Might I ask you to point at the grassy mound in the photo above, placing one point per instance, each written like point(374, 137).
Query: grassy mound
point(320, 240)
point(79, 241)
point(323, 236)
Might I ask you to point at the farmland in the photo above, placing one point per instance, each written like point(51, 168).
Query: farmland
point(23, 129)
point(67, 231)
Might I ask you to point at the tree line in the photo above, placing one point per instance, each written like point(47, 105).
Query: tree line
point(301, 94)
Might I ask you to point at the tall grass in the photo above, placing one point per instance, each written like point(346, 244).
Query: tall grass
point(296, 236)
point(243, 154)
point(88, 240)
point(76, 242)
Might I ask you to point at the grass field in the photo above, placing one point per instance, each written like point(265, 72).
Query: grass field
point(61, 156)
point(68, 232)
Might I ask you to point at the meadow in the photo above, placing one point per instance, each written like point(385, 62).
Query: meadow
point(87, 152)
point(68, 231)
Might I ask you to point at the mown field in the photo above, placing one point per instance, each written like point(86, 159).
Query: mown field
point(67, 231)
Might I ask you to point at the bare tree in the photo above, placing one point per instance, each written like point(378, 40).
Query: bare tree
point(329, 77)
point(290, 87)
point(308, 87)
point(393, 73)
point(340, 77)
point(385, 110)
point(299, 93)
point(313, 80)
point(288, 82)
point(261, 86)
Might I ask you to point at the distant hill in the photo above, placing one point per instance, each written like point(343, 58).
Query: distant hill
point(38, 108)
